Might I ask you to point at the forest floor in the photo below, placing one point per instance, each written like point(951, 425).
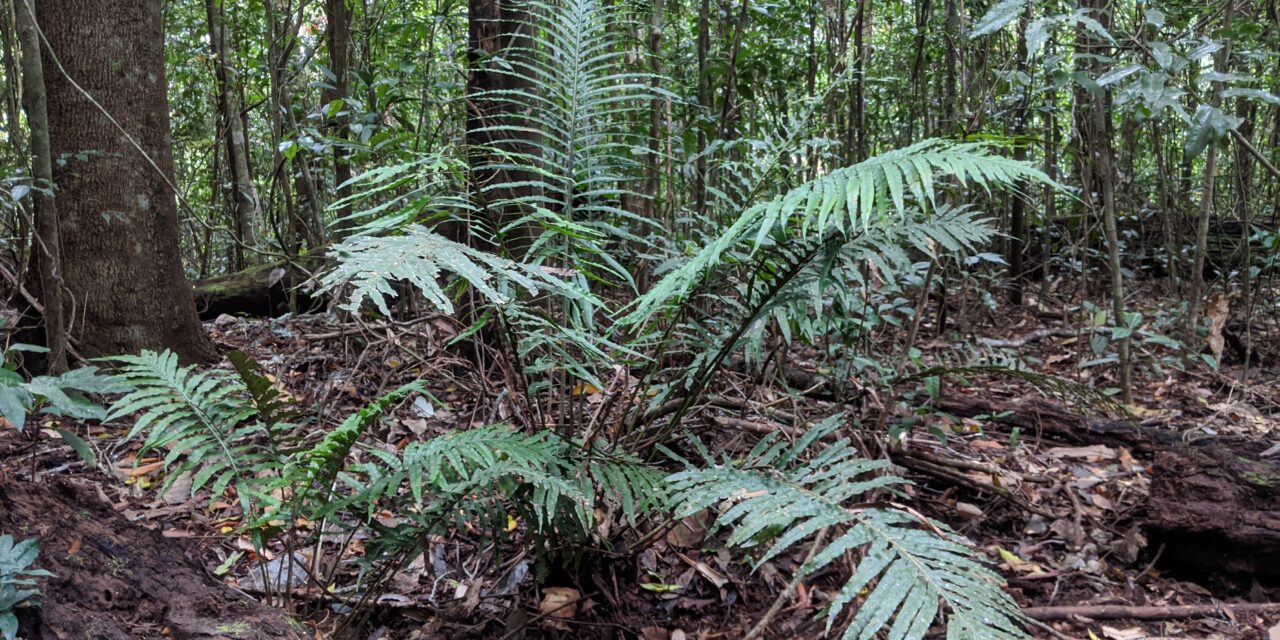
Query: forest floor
point(1164, 525)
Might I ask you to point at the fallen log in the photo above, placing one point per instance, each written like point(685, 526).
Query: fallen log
point(1216, 509)
point(1037, 416)
point(260, 291)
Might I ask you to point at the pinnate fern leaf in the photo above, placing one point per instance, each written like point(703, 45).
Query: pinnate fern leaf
point(911, 569)
point(422, 257)
point(203, 418)
point(883, 192)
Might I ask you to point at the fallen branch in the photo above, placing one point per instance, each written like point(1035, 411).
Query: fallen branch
point(1168, 612)
point(970, 465)
point(943, 473)
point(1038, 335)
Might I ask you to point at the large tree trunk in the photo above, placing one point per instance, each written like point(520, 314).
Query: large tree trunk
point(118, 216)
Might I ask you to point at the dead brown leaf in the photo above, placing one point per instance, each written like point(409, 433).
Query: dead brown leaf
point(558, 604)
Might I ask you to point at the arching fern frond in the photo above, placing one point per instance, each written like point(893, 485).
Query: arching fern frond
point(420, 256)
point(874, 194)
point(494, 468)
point(203, 418)
point(419, 191)
point(911, 569)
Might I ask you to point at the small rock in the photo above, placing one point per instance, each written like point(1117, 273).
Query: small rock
point(282, 573)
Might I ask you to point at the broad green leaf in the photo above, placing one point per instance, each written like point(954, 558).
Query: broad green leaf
point(997, 17)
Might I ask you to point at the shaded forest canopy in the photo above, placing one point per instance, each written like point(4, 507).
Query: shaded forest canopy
point(620, 319)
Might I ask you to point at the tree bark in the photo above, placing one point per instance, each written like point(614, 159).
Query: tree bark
point(857, 143)
point(653, 175)
point(246, 210)
point(338, 37)
point(1018, 208)
point(1099, 176)
point(704, 104)
point(494, 27)
point(118, 215)
point(47, 243)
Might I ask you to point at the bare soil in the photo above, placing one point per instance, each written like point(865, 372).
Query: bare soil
point(115, 580)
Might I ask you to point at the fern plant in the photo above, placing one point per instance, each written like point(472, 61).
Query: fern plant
point(575, 95)
point(874, 194)
point(483, 475)
point(235, 431)
point(369, 264)
point(911, 569)
point(788, 249)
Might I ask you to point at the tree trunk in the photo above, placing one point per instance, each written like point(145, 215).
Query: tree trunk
point(857, 144)
point(1018, 209)
point(47, 243)
point(1198, 292)
point(704, 105)
point(729, 109)
point(653, 175)
point(338, 36)
point(246, 211)
point(496, 26)
point(1168, 225)
point(118, 215)
point(1099, 174)
point(1244, 194)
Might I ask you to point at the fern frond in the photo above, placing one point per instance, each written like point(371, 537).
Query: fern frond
point(203, 418)
point(566, 142)
point(911, 570)
point(326, 458)
point(847, 202)
point(420, 256)
point(636, 487)
point(419, 191)
point(270, 403)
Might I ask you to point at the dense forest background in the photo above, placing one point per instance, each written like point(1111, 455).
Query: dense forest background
point(502, 297)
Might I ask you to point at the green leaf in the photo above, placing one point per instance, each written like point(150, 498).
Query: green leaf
point(1099, 343)
point(8, 625)
point(1253, 94)
point(1037, 35)
point(1116, 75)
point(15, 402)
point(1208, 126)
point(31, 348)
point(1163, 54)
point(79, 446)
point(997, 17)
